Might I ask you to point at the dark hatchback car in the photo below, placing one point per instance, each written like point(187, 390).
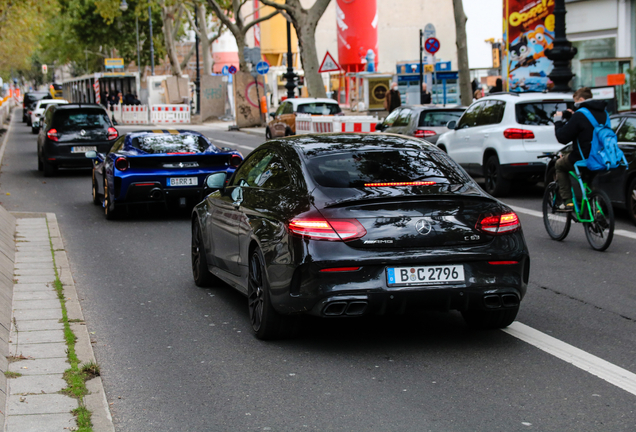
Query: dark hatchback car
point(420, 121)
point(69, 131)
point(619, 184)
point(346, 225)
point(28, 101)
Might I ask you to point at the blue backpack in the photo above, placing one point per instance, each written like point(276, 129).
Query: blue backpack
point(604, 153)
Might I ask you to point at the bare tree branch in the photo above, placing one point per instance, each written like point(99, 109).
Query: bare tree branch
point(283, 6)
point(261, 19)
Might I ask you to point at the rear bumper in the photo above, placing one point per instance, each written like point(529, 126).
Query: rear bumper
point(61, 155)
point(154, 192)
point(523, 170)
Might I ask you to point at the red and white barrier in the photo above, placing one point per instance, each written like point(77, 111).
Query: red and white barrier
point(134, 114)
point(170, 113)
point(363, 124)
point(308, 124)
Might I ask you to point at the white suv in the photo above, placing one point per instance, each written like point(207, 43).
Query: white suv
point(500, 136)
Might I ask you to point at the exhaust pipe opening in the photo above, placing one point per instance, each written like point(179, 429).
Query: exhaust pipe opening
point(156, 194)
point(510, 300)
point(492, 301)
point(356, 308)
point(335, 308)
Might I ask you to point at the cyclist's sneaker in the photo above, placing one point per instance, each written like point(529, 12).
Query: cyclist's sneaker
point(567, 207)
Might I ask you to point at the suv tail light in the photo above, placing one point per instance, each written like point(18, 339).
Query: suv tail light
point(499, 224)
point(423, 133)
point(112, 133)
point(332, 230)
point(53, 135)
point(514, 133)
point(121, 163)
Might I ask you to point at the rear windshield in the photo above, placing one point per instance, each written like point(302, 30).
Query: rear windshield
point(539, 113)
point(77, 119)
point(30, 97)
point(45, 104)
point(438, 118)
point(355, 169)
point(319, 108)
point(155, 144)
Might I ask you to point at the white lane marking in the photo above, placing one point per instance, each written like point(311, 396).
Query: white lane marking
point(233, 144)
point(618, 232)
point(605, 370)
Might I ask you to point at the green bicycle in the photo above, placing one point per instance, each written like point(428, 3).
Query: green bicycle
point(592, 208)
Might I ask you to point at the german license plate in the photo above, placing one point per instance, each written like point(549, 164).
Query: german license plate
point(83, 149)
point(426, 275)
point(183, 181)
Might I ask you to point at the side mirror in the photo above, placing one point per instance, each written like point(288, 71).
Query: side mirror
point(379, 127)
point(91, 154)
point(216, 180)
point(451, 124)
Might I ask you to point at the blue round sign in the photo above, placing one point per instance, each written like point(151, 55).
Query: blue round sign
point(225, 70)
point(262, 67)
point(232, 69)
point(431, 45)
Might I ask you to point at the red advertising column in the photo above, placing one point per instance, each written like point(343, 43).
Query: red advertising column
point(357, 22)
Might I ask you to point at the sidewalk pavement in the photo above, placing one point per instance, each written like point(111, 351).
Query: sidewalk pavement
point(37, 347)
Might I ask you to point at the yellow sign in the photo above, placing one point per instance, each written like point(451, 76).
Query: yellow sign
point(495, 58)
point(429, 68)
point(114, 62)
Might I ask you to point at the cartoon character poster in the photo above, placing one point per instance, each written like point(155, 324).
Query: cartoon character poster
point(528, 32)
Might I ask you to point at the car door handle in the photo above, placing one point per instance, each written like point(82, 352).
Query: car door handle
point(485, 135)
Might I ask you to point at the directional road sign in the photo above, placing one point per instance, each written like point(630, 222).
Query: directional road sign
point(329, 64)
point(429, 31)
point(225, 70)
point(262, 67)
point(232, 69)
point(431, 45)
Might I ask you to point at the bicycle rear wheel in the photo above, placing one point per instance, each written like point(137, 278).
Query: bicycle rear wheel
point(600, 232)
point(557, 224)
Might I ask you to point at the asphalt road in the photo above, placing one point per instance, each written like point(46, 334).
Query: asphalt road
point(175, 357)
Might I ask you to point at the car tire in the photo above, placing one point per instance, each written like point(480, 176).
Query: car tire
point(495, 184)
point(630, 200)
point(202, 276)
point(40, 164)
point(268, 134)
point(95, 194)
point(35, 130)
point(442, 147)
point(49, 169)
point(109, 212)
point(267, 324)
point(288, 132)
point(486, 320)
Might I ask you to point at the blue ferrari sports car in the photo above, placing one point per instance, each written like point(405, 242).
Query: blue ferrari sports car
point(149, 167)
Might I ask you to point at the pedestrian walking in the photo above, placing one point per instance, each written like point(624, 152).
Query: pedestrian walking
point(425, 98)
point(393, 98)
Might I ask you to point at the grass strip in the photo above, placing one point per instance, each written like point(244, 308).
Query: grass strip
point(75, 376)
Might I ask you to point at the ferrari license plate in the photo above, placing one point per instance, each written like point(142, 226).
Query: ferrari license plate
point(427, 275)
point(83, 149)
point(183, 181)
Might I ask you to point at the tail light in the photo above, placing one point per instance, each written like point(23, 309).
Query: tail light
point(333, 230)
point(423, 133)
point(235, 160)
point(112, 133)
point(339, 269)
point(514, 133)
point(499, 224)
point(53, 135)
point(121, 163)
point(393, 184)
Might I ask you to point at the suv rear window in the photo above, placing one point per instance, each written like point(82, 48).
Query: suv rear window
point(438, 118)
point(81, 118)
point(540, 113)
point(157, 144)
point(354, 169)
point(319, 108)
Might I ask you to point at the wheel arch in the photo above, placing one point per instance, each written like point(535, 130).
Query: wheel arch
point(488, 152)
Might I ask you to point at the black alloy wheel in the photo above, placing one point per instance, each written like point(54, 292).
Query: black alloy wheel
point(487, 320)
point(630, 201)
point(96, 199)
point(268, 134)
point(267, 324)
point(108, 211)
point(202, 276)
point(495, 184)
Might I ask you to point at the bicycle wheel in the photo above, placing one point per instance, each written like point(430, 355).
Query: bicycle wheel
point(600, 232)
point(557, 224)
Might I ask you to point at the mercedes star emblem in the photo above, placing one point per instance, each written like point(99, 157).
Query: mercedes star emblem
point(423, 227)
point(82, 132)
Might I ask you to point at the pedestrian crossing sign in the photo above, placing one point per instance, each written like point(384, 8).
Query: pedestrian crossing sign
point(328, 64)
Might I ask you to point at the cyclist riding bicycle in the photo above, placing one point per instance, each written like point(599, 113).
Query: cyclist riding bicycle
point(570, 126)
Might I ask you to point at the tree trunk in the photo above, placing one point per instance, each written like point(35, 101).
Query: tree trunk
point(167, 17)
point(205, 42)
point(309, 56)
point(465, 89)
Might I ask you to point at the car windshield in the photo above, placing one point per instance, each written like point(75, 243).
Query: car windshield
point(161, 143)
point(358, 169)
point(319, 108)
point(77, 119)
point(540, 113)
point(438, 118)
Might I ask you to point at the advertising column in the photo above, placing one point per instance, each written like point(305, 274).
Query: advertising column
point(357, 22)
point(528, 32)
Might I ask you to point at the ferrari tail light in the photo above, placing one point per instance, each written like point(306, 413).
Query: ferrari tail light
point(423, 133)
point(514, 133)
point(53, 135)
point(112, 133)
point(499, 224)
point(121, 163)
point(235, 160)
point(322, 229)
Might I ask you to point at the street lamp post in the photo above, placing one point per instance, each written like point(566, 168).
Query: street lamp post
point(290, 76)
point(123, 6)
point(152, 45)
point(562, 53)
point(421, 68)
point(197, 81)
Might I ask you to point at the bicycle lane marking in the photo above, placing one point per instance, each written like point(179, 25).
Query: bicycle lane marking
point(596, 366)
point(618, 232)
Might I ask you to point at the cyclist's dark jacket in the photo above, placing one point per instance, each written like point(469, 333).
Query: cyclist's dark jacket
point(579, 129)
